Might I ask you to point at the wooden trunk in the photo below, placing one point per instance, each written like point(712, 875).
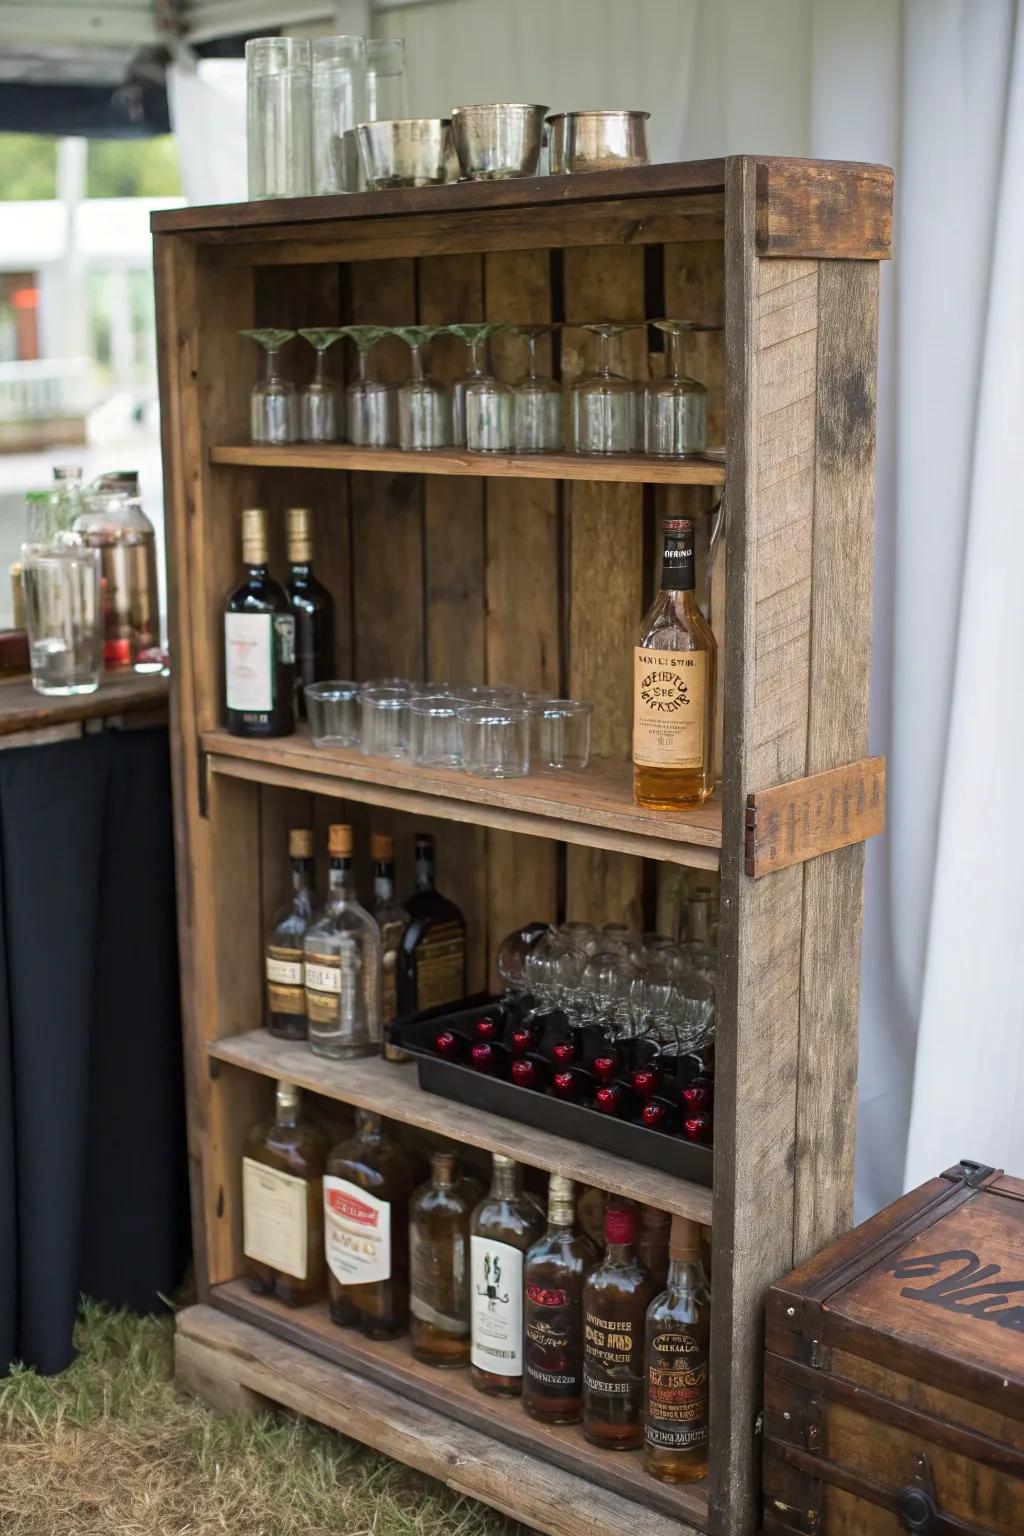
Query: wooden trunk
point(894, 1377)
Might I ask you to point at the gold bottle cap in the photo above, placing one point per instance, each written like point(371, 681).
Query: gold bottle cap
point(339, 841)
point(300, 843)
point(288, 1098)
point(561, 1199)
point(299, 522)
point(684, 1239)
point(254, 536)
point(381, 846)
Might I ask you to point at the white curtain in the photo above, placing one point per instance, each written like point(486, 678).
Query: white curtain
point(936, 89)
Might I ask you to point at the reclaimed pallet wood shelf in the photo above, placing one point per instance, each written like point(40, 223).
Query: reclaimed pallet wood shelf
point(625, 468)
point(593, 808)
point(394, 1089)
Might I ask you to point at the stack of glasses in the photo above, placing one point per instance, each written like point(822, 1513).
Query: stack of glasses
point(608, 412)
point(495, 732)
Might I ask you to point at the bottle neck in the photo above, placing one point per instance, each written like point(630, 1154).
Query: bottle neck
point(383, 881)
point(286, 1106)
point(685, 1274)
point(368, 1128)
point(302, 874)
point(425, 874)
point(620, 1253)
point(506, 1183)
point(339, 878)
point(301, 570)
point(258, 569)
point(698, 919)
point(677, 563)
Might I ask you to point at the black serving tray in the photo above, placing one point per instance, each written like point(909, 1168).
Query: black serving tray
point(452, 1080)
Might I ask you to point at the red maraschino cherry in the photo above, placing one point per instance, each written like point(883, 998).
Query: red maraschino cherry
point(697, 1128)
point(604, 1068)
point(482, 1057)
point(608, 1099)
point(645, 1081)
point(524, 1072)
point(521, 1040)
point(446, 1043)
point(485, 1029)
point(653, 1115)
point(565, 1084)
point(564, 1052)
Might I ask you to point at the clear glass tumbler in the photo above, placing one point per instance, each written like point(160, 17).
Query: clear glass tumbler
point(436, 730)
point(604, 404)
point(274, 402)
point(371, 407)
point(319, 415)
point(386, 95)
point(279, 117)
point(495, 740)
point(424, 405)
point(385, 720)
point(339, 102)
point(561, 732)
point(332, 710)
point(537, 419)
point(63, 615)
point(675, 408)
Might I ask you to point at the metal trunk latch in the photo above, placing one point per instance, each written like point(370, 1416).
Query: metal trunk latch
point(916, 1508)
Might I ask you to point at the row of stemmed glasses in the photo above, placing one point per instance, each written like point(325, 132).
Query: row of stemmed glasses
point(609, 413)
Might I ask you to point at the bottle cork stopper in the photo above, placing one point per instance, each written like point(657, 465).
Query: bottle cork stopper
point(501, 1161)
point(288, 1097)
point(442, 1167)
point(381, 846)
point(254, 536)
point(619, 1224)
point(300, 843)
point(684, 1239)
point(339, 841)
point(299, 524)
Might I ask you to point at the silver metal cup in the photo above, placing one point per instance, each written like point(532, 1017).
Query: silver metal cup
point(557, 125)
point(498, 140)
point(605, 141)
point(405, 151)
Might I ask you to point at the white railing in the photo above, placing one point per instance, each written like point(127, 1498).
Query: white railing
point(45, 389)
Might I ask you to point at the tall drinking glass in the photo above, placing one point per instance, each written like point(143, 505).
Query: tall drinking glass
point(319, 416)
point(279, 117)
point(604, 404)
point(63, 615)
point(339, 102)
point(536, 401)
point(274, 408)
point(675, 408)
point(386, 95)
point(370, 403)
point(424, 407)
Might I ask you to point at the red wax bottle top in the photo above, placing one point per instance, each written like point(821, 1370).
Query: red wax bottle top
point(521, 1041)
point(485, 1029)
point(645, 1081)
point(607, 1099)
point(482, 1056)
point(697, 1096)
point(446, 1043)
point(604, 1068)
point(619, 1225)
point(697, 1128)
point(524, 1072)
point(564, 1052)
point(564, 1083)
point(653, 1115)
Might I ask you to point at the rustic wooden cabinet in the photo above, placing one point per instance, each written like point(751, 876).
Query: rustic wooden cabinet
point(536, 571)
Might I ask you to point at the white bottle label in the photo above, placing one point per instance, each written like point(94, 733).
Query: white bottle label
point(287, 972)
point(249, 661)
point(325, 977)
point(357, 1233)
point(274, 1228)
point(497, 1307)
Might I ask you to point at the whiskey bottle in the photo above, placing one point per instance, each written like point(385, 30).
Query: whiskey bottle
point(313, 608)
point(674, 687)
point(432, 968)
point(504, 1225)
point(259, 643)
point(676, 1364)
point(554, 1275)
point(282, 1204)
point(392, 920)
point(439, 1267)
point(615, 1301)
point(286, 997)
point(342, 964)
point(366, 1223)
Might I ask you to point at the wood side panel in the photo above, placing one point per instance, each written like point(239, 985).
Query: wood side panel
point(770, 342)
point(823, 209)
point(808, 818)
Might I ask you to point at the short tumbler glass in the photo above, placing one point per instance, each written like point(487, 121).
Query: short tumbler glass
point(495, 740)
point(561, 732)
point(332, 710)
point(385, 720)
point(436, 730)
point(64, 617)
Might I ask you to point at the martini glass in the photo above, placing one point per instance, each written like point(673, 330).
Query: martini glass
point(675, 408)
point(476, 336)
point(424, 409)
point(604, 404)
point(319, 417)
point(537, 401)
point(369, 402)
point(274, 407)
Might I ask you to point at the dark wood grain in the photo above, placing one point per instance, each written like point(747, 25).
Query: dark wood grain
point(23, 709)
point(824, 209)
point(805, 818)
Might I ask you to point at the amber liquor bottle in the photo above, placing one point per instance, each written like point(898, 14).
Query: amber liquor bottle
point(439, 1267)
point(392, 920)
point(366, 1229)
point(676, 1364)
point(282, 1204)
point(504, 1225)
point(615, 1301)
point(286, 994)
point(312, 606)
point(259, 643)
point(432, 966)
point(554, 1274)
point(674, 686)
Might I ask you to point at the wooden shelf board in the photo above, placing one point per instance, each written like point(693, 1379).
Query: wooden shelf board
point(246, 1365)
point(390, 1363)
point(124, 693)
point(458, 461)
point(393, 1089)
point(593, 807)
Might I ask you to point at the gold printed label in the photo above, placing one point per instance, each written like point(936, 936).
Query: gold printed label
point(669, 699)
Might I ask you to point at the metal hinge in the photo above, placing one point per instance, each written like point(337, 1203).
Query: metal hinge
point(819, 1356)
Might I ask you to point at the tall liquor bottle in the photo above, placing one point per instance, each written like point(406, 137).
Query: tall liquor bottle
point(312, 606)
point(259, 643)
point(504, 1225)
point(615, 1301)
point(282, 1203)
point(676, 1364)
point(392, 920)
point(432, 968)
point(286, 996)
point(554, 1275)
point(366, 1220)
point(439, 1267)
point(342, 964)
point(674, 687)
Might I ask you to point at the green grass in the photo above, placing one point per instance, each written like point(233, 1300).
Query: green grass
point(111, 1448)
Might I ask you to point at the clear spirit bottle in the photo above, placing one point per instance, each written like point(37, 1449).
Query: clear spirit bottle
point(342, 964)
point(676, 1364)
point(439, 1267)
point(286, 996)
point(282, 1204)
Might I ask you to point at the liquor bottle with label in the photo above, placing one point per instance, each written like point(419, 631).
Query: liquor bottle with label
point(615, 1301)
point(504, 1225)
point(676, 1364)
point(286, 995)
point(432, 966)
point(366, 1230)
point(259, 643)
point(312, 607)
point(439, 1267)
point(392, 920)
point(283, 1204)
point(674, 687)
point(554, 1275)
point(342, 964)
